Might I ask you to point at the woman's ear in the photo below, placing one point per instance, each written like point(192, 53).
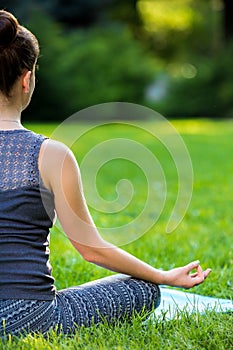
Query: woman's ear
point(26, 81)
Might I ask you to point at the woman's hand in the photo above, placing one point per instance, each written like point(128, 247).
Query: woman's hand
point(184, 277)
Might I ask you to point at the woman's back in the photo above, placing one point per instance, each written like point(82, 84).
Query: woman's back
point(25, 271)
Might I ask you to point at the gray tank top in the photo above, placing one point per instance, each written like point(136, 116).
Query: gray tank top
point(26, 215)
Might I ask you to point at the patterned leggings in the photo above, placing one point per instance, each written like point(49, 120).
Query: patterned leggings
point(111, 299)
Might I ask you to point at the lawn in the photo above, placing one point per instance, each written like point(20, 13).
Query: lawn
point(204, 233)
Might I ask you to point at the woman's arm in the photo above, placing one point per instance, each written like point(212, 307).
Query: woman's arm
point(60, 173)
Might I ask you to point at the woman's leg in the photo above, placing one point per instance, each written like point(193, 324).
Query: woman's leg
point(112, 298)
point(18, 316)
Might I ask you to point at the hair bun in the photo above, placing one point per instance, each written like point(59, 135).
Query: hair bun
point(8, 28)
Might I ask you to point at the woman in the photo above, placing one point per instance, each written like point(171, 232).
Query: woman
point(39, 177)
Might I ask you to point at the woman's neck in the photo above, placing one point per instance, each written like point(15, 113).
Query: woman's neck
point(10, 116)
point(10, 124)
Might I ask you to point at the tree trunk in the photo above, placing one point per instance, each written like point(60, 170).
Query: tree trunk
point(228, 20)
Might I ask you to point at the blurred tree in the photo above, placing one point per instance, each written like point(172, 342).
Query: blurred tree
point(228, 20)
point(208, 93)
point(81, 13)
point(81, 68)
point(146, 18)
point(23, 9)
point(127, 13)
point(86, 13)
point(178, 29)
point(96, 60)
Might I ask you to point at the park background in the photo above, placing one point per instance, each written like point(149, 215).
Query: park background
point(173, 56)
point(176, 58)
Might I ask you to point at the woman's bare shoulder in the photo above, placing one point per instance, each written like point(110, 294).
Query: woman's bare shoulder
point(53, 152)
point(55, 157)
point(54, 146)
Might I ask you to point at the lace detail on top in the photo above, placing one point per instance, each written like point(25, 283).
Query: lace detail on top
point(19, 151)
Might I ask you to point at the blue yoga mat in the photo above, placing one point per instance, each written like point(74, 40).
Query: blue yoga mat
point(173, 302)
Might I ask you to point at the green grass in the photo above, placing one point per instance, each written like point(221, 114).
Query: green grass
point(205, 233)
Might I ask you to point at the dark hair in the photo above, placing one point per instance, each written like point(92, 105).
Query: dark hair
point(19, 50)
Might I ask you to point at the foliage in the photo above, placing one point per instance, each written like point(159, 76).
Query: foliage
point(83, 68)
point(79, 13)
point(75, 14)
point(97, 51)
point(207, 91)
point(178, 29)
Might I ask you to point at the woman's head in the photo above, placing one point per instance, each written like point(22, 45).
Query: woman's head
point(19, 51)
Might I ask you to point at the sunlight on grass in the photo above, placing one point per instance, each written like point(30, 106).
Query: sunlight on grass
point(204, 127)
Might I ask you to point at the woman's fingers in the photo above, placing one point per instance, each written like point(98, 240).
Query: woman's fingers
point(199, 276)
point(202, 273)
point(193, 274)
point(207, 272)
point(185, 276)
point(192, 266)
